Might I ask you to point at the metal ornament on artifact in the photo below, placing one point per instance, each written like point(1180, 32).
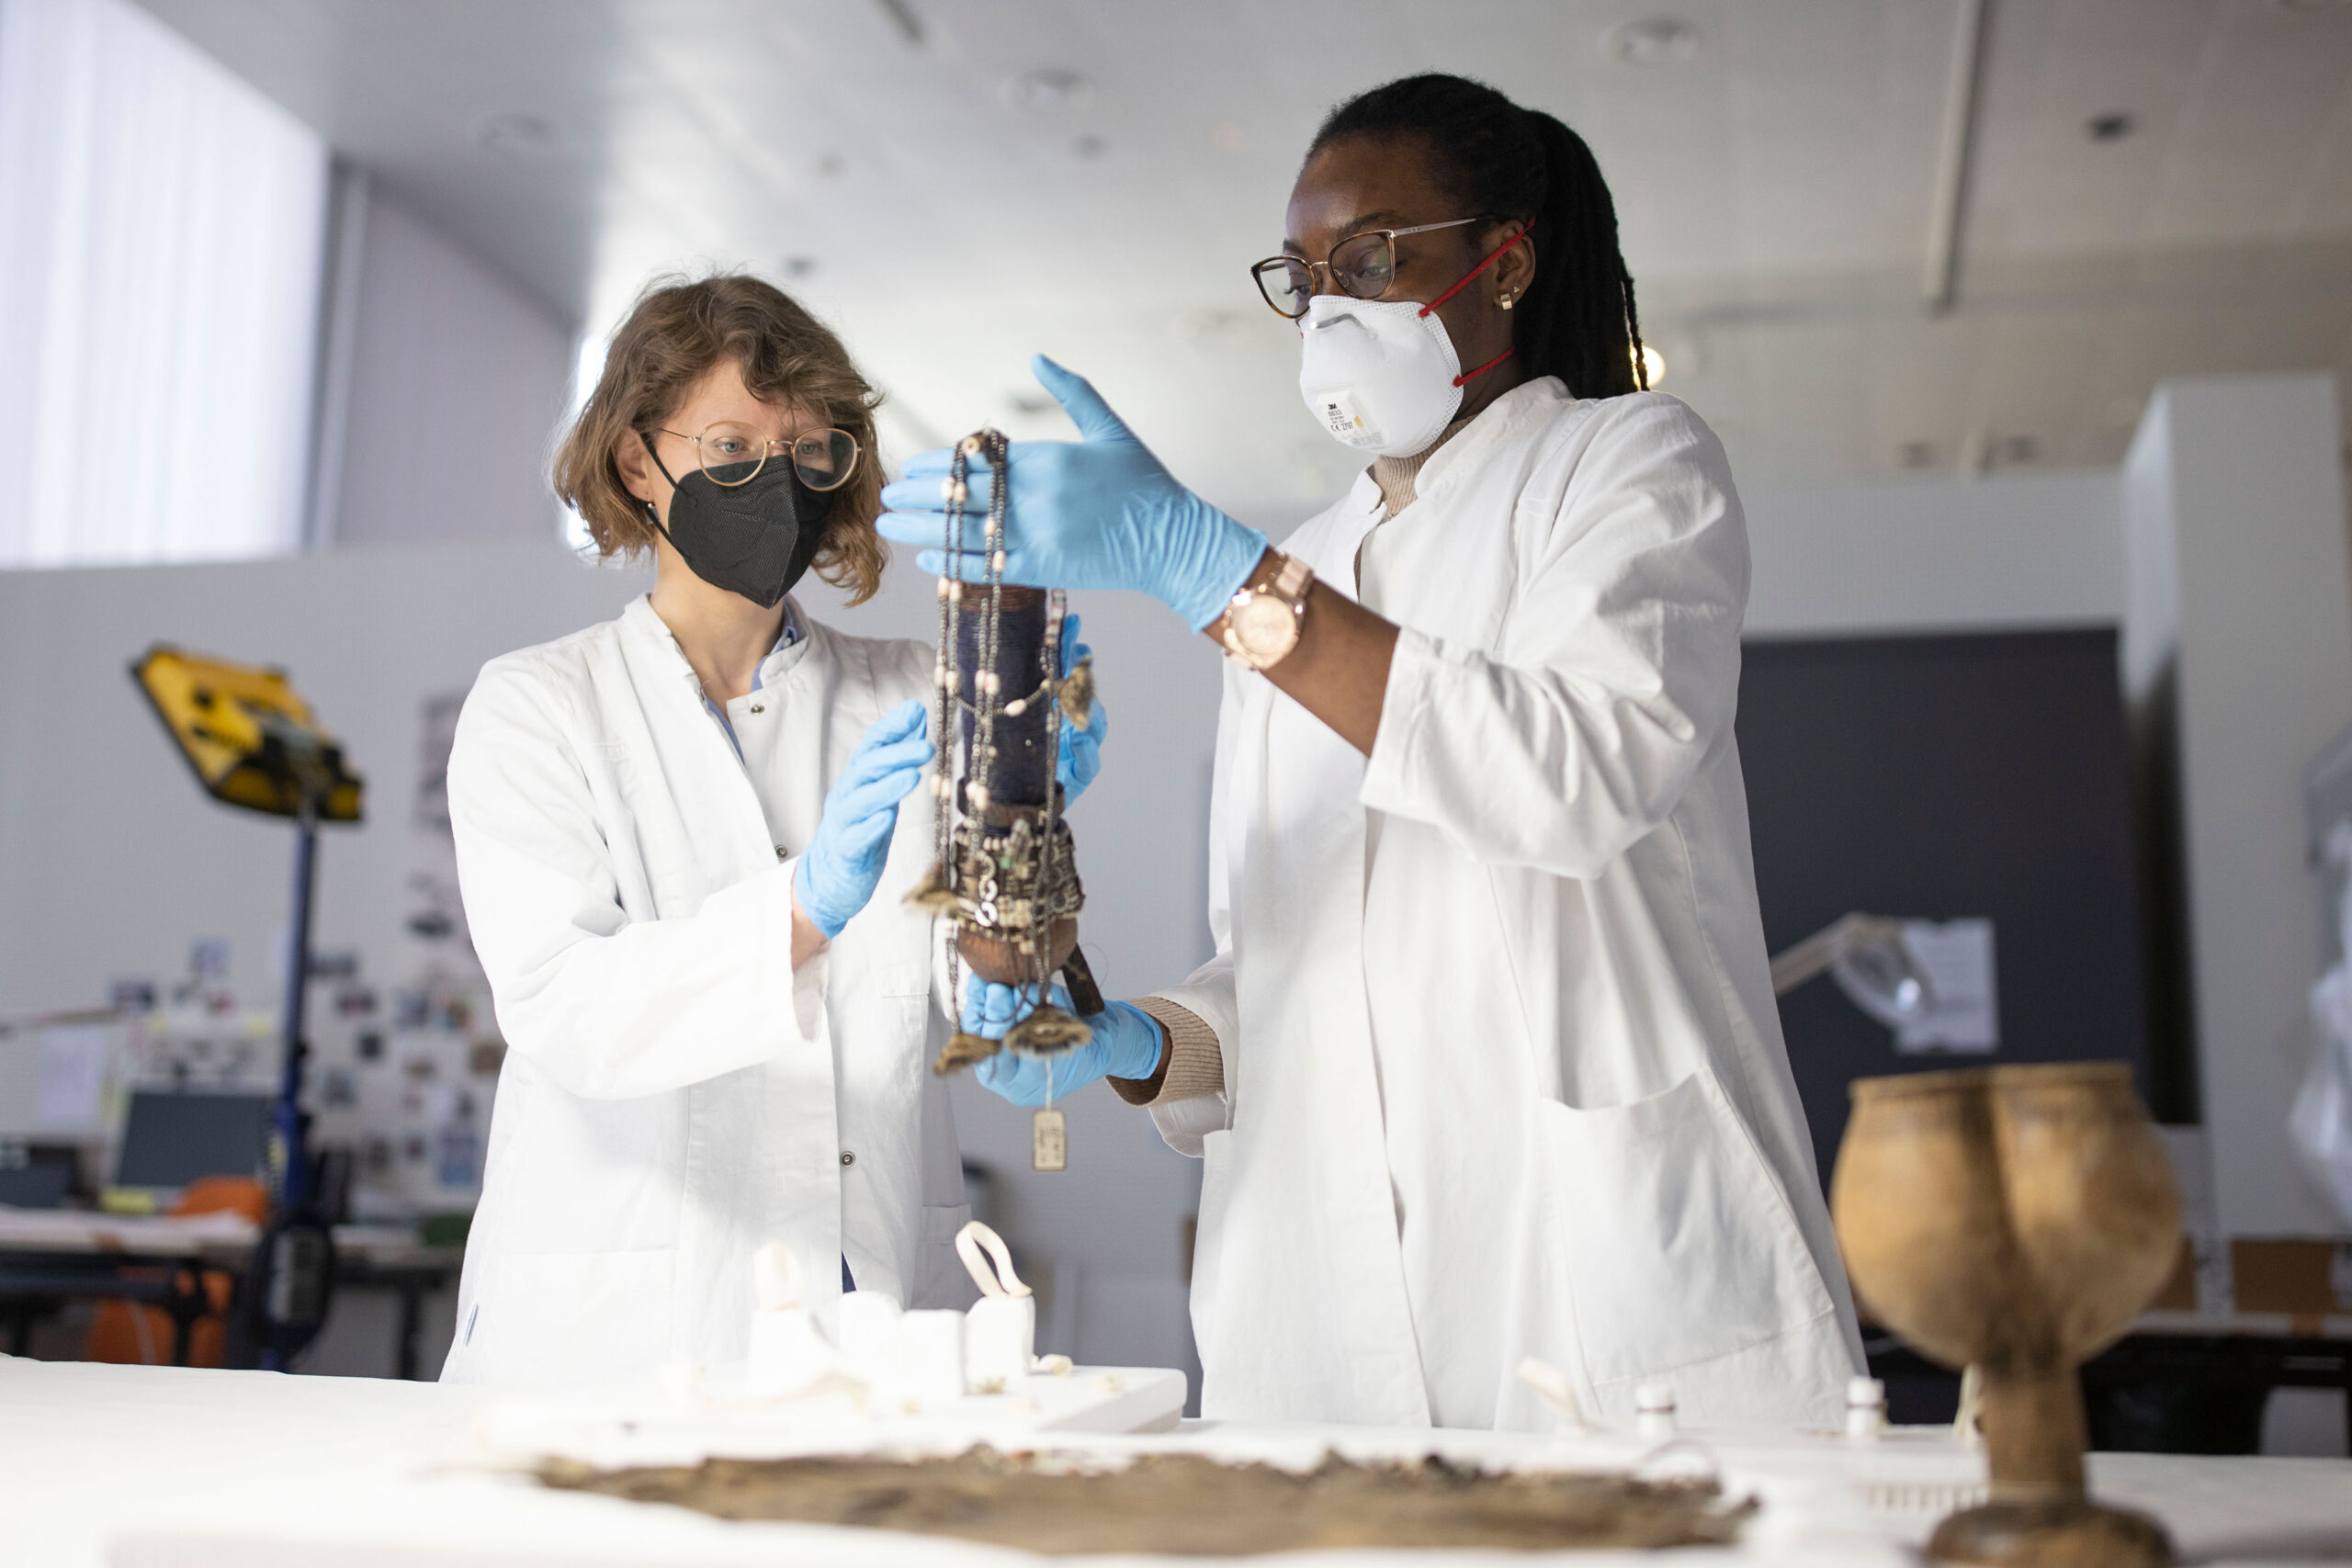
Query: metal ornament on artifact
point(1007, 872)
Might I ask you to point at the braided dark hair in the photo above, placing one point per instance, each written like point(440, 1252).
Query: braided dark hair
point(1576, 321)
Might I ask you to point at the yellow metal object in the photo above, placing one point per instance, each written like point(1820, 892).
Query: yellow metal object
point(251, 741)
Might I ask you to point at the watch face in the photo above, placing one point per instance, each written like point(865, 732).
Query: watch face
point(1265, 625)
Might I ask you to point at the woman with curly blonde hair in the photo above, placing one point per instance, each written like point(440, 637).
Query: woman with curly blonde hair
point(683, 847)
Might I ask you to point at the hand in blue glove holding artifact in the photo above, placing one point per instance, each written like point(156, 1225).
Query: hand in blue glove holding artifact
point(844, 861)
point(1126, 1044)
point(1098, 512)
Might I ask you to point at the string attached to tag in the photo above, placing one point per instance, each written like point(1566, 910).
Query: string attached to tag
point(1048, 1132)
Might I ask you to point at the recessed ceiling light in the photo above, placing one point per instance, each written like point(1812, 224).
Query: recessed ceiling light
point(1049, 90)
point(1651, 42)
point(2113, 126)
point(509, 130)
point(1654, 363)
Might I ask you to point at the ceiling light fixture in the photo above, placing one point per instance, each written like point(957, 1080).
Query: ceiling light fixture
point(1049, 90)
point(511, 131)
point(1651, 42)
point(1654, 363)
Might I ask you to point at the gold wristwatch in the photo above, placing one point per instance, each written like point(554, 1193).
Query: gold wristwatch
point(1261, 623)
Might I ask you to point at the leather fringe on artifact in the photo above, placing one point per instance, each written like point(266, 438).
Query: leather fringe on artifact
point(1077, 691)
point(931, 894)
point(1046, 1031)
point(964, 1050)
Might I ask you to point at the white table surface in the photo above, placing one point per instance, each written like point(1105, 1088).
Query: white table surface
point(136, 1467)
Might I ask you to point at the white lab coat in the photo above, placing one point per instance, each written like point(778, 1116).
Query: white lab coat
point(674, 1094)
point(1504, 1074)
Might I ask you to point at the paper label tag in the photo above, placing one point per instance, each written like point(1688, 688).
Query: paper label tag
point(1048, 1141)
point(1344, 417)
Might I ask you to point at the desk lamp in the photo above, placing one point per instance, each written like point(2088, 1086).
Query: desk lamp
point(253, 743)
point(1868, 958)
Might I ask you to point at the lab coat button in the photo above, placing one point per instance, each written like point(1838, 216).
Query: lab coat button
point(780, 854)
point(849, 1157)
point(758, 708)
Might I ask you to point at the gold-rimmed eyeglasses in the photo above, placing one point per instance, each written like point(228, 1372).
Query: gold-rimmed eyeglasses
point(733, 454)
point(1363, 266)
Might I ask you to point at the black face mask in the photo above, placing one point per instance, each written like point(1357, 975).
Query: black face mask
point(756, 539)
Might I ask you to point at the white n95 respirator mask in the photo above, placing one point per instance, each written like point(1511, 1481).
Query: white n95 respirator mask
point(1380, 375)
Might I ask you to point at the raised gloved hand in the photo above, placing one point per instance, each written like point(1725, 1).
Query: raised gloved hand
point(843, 861)
point(1098, 512)
point(1081, 749)
point(1126, 1044)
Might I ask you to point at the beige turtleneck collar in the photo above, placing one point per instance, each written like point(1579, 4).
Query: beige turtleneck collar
point(1395, 476)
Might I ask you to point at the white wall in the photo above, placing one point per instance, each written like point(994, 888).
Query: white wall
point(444, 386)
point(2241, 633)
point(1936, 554)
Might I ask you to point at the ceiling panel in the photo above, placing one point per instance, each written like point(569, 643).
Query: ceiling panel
point(1773, 191)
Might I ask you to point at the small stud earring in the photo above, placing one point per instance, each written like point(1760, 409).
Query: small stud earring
point(1506, 301)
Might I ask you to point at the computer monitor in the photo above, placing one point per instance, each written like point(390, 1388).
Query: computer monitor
point(170, 1139)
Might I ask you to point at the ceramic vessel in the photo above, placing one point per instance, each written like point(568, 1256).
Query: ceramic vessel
point(2015, 1219)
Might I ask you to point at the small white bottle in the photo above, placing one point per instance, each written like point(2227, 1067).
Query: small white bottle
point(1000, 1331)
point(1654, 1410)
point(1865, 1409)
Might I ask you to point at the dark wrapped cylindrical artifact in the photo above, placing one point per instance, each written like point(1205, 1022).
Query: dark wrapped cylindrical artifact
point(1008, 870)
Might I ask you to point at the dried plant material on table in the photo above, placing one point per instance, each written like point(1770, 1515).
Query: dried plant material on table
point(1187, 1505)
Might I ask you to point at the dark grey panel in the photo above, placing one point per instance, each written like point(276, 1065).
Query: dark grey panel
point(1937, 777)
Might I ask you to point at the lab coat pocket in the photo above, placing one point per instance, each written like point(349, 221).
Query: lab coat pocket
point(1677, 1244)
point(573, 1317)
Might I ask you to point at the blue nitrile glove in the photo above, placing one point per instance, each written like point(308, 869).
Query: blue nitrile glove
point(843, 861)
point(1126, 1044)
point(1082, 752)
point(1098, 512)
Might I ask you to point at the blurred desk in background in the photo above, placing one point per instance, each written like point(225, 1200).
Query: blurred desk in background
point(47, 1255)
point(2225, 1366)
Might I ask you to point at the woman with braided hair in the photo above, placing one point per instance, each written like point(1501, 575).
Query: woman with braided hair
point(1486, 1065)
